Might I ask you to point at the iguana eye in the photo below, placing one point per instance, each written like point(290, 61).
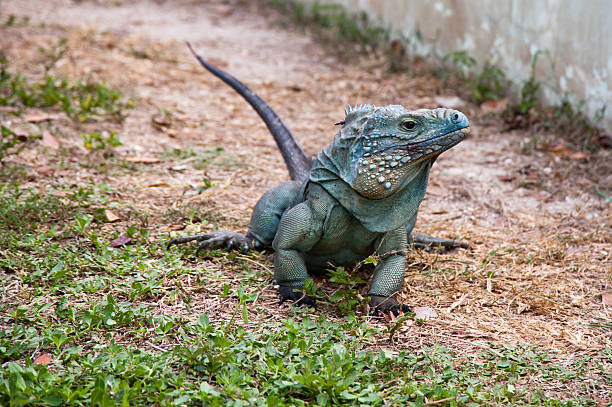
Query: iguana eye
point(409, 124)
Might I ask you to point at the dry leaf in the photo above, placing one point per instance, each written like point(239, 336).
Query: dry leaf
point(111, 216)
point(44, 170)
point(21, 133)
point(219, 63)
point(160, 121)
point(49, 141)
point(120, 241)
point(159, 185)
point(435, 190)
point(143, 160)
point(602, 402)
point(62, 193)
point(223, 9)
point(389, 317)
point(176, 227)
point(424, 313)
point(397, 48)
point(36, 118)
point(8, 109)
point(181, 167)
point(171, 132)
point(421, 102)
point(578, 155)
point(606, 298)
point(506, 178)
point(494, 106)
point(449, 102)
point(43, 359)
point(561, 150)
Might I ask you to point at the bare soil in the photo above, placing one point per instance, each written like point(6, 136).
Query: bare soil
point(540, 233)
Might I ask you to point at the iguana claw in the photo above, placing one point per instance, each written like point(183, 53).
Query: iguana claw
point(425, 241)
point(286, 293)
point(217, 240)
point(380, 305)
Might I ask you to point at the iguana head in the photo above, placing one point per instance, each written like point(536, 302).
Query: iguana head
point(384, 146)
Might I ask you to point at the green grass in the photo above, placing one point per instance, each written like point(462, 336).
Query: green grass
point(488, 84)
point(101, 315)
point(10, 143)
point(82, 101)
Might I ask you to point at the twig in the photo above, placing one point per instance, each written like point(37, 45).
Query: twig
point(457, 303)
point(430, 403)
point(159, 348)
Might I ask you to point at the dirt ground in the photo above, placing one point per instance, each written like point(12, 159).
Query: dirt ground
point(540, 233)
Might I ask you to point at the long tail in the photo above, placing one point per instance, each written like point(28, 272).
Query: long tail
point(296, 160)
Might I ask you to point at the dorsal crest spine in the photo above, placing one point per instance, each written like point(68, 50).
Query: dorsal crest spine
point(356, 108)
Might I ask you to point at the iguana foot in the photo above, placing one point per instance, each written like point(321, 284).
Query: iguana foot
point(292, 294)
point(380, 305)
point(217, 240)
point(425, 241)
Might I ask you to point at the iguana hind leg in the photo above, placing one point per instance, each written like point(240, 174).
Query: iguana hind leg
point(262, 227)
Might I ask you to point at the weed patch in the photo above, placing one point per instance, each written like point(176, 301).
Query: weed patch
point(302, 362)
point(82, 101)
point(10, 143)
point(489, 84)
point(331, 22)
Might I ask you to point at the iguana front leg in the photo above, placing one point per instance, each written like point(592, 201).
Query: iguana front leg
point(389, 273)
point(262, 227)
point(299, 230)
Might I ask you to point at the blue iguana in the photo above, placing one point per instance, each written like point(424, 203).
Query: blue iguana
point(359, 197)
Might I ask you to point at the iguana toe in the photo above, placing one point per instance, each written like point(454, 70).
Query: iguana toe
point(380, 305)
point(185, 239)
point(286, 293)
point(225, 240)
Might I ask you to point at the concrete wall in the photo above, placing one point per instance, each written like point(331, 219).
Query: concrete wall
point(576, 34)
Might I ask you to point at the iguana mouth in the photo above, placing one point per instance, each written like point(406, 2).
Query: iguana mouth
point(426, 147)
point(450, 135)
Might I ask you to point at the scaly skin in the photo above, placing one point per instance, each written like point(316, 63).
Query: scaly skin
point(360, 199)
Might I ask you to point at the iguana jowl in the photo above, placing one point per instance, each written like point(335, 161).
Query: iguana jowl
point(358, 198)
